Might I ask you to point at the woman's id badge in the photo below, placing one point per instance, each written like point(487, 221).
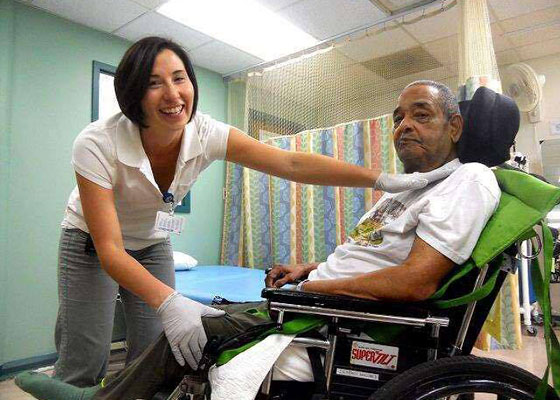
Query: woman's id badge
point(166, 222)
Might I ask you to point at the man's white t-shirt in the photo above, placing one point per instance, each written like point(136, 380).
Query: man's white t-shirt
point(449, 215)
point(110, 154)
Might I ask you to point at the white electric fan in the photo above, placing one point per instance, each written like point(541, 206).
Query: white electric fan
point(524, 86)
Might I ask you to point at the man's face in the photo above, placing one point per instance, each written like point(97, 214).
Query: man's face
point(424, 139)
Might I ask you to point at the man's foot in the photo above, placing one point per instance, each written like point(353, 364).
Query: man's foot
point(43, 387)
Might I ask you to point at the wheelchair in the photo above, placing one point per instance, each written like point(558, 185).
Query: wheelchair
point(424, 356)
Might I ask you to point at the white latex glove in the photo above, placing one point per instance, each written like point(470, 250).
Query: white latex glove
point(181, 319)
point(394, 183)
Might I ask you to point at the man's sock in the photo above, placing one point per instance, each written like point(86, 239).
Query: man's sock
point(43, 387)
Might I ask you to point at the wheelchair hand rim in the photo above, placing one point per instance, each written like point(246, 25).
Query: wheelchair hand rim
point(472, 386)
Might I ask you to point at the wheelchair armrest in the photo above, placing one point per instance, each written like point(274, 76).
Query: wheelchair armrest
point(346, 303)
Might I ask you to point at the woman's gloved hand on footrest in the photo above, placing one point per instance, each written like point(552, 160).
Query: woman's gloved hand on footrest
point(182, 323)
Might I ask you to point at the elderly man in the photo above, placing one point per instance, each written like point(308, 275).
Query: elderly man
point(422, 232)
point(400, 250)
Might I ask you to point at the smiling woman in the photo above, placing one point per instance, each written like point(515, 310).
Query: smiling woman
point(132, 170)
point(168, 102)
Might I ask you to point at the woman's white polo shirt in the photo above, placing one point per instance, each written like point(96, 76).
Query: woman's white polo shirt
point(110, 154)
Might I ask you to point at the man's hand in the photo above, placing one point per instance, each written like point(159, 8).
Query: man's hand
point(182, 323)
point(281, 274)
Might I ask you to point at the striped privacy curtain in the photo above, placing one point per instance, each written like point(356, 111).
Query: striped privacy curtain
point(268, 220)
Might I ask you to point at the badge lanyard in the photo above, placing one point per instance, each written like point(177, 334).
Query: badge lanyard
point(168, 222)
point(169, 199)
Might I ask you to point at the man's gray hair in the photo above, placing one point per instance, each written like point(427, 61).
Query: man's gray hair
point(447, 99)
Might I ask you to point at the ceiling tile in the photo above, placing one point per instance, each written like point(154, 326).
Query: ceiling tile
point(105, 15)
point(444, 50)
point(523, 38)
point(505, 9)
point(276, 5)
point(540, 49)
point(222, 58)
point(326, 18)
point(151, 4)
point(439, 26)
point(153, 23)
point(531, 19)
point(507, 57)
point(403, 63)
point(377, 45)
point(396, 5)
point(499, 40)
point(441, 74)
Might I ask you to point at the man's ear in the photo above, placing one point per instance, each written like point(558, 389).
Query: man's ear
point(455, 127)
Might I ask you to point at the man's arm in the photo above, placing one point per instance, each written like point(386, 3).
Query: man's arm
point(414, 280)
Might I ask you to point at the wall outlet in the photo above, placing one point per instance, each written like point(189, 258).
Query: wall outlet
point(555, 127)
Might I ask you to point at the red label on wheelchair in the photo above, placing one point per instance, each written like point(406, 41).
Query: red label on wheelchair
point(374, 355)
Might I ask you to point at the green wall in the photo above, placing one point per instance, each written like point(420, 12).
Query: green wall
point(6, 54)
point(45, 100)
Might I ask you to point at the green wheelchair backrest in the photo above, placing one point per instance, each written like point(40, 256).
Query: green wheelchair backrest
point(524, 203)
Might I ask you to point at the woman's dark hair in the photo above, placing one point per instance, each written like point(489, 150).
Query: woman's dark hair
point(133, 75)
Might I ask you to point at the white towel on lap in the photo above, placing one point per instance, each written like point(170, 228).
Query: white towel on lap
point(242, 376)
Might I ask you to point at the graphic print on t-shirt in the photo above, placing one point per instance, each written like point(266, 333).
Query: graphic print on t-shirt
point(368, 232)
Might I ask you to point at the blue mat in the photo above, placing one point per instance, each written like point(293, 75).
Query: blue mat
point(204, 282)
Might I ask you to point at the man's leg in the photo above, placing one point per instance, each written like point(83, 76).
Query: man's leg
point(157, 368)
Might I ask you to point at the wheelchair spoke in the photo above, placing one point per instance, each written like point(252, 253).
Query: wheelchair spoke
point(476, 389)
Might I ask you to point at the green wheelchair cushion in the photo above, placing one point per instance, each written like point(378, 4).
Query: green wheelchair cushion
point(297, 325)
point(532, 191)
point(524, 202)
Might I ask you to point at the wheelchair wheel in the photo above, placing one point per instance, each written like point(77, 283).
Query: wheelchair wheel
point(462, 377)
point(531, 330)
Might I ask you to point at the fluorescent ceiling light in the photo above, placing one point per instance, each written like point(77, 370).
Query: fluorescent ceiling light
point(244, 24)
